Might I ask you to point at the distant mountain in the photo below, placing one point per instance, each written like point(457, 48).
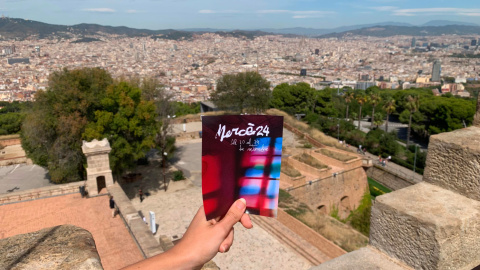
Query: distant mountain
point(387, 31)
point(322, 31)
point(11, 28)
point(445, 23)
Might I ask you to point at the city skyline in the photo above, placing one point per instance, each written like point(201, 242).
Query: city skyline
point(151, 14)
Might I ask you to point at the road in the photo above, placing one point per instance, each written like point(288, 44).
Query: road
point(22, 177)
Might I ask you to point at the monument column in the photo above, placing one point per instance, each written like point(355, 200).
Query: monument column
point(99, 174)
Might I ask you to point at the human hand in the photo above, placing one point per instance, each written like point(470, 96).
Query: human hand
point(201, 242)
point(203, 239)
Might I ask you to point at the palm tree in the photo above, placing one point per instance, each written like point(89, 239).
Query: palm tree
point(374, 100)
point(348, 96)
point(412, 105)
point(389, 108)
point(361, 99)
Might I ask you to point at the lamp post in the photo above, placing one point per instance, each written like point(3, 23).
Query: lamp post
point(414, 162)
point(164, 164)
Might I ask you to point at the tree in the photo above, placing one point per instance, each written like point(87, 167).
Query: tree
point(374, 100)
point(389, 108)
point(361, 99)
point(54, 125)
point(81, 105)
point(412, 104)
point(348, 96)
point(242, 92)
point(293, 99)
point(128, 122)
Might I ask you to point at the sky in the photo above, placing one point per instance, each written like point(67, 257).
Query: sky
point(240, 14)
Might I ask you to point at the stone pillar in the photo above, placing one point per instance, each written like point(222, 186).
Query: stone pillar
point(98, 164)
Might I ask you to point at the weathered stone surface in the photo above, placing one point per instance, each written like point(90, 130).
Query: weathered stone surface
point(427, 227)
point(366, 258)
point(453, 161)
point(61, 247)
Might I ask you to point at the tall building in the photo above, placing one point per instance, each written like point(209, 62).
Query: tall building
point(436, 70)
point(317, 51)
point(414, 42)
point(474, 42)
point(303, 72)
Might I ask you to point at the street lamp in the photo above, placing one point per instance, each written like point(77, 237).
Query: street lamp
point(414, 162)
point(164, 164)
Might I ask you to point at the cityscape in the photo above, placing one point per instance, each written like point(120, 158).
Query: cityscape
point(190, 68)
point(342, 135)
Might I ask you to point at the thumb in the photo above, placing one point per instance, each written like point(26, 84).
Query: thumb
point(233, 215)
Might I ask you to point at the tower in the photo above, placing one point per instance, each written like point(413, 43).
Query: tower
point(99, 174)
point(436, 71)
point(414, 43)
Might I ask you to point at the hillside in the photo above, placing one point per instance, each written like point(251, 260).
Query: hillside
point(11, 28)
point(389, 30)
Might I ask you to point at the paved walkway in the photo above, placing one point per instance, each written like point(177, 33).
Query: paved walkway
point(22, 177)
point(174, 209)
point(395, 168)
point(114, 244)
point(252, 249)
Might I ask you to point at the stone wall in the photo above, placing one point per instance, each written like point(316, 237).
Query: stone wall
point(343, 191)
point(431, 225)
point(388, 179)
point(44, 192)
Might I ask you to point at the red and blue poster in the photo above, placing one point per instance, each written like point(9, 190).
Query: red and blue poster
point(241, 158)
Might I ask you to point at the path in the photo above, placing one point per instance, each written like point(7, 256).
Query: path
point(22, 177)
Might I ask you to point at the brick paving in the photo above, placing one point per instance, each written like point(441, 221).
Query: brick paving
point(114, 244)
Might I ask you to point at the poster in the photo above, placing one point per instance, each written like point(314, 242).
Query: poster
point(241, 158)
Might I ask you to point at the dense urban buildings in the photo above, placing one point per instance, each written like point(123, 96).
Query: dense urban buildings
point(190, 68)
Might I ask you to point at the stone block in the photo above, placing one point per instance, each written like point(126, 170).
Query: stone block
point(61, 247)
point(427, 227)
point(366, 258)
point(453, 161)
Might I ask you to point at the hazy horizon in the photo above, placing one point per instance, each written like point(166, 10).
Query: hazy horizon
point(164, 14)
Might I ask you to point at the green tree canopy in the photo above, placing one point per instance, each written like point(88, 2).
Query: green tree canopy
point(242, 92)
point(56, 124)
point(127, 121)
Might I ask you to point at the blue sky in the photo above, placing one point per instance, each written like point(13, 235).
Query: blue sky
point(240, 14)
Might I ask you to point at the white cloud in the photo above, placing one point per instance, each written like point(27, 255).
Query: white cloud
point(298, 14)
point(384, 8)
point(101, 10)
point(268, 11)
point(446, 11)
point(473, 14)
point(209, 11)
point(206, 11)
point(134, 11)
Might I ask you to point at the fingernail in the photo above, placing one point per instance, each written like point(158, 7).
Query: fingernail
point(241, 204)
point(222, 249)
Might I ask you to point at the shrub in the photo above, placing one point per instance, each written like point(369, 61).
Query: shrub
point(178, 175)
point(336, 155)
point(309, 160)
point(290, 171)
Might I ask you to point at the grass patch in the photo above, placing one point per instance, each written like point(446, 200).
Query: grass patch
point(309, 160)
point(337, 155)
point(377, 189)
point(290, 171)
point(341, 234)
point(178, 176)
